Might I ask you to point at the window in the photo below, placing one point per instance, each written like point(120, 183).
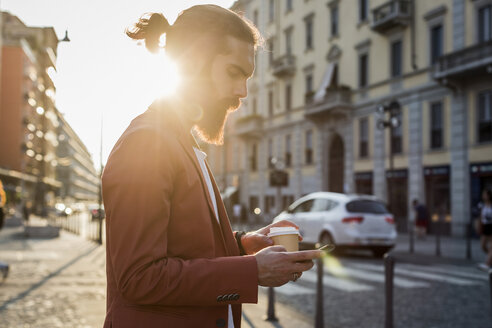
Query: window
point(270, 103)
point(253, 203)
point(288, 97)
point(270, 153)
point(254, 154)
point(269, 204)
point(271, 11)
point(288, 41)
point(436, 43)
point(362, 10)
point(363, 137)
point(334, 21)
point(363, 67)
point(321, 205)
point(396, 58)
point(255, 106)
point(397, 139)
point(309, 83)
point(484, 116)
point(366, 206)
point(303, 207)
point(288, 154)
point(436, 126)
point(255, 17)
point(287, 200)
point(309, 147)
point(485, 23)
point(309, 33)
point(288, 5)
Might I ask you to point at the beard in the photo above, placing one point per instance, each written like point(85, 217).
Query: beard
point(212, 124)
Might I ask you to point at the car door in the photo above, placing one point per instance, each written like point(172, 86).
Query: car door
point(298, 215)
point(315, 218)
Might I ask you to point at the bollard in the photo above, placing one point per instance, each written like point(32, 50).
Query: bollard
point(389, 264)
point(411, 237)
point(438, 237)
point(490, 283)
point(318, 323)
point(271, 306)
point(468, 240)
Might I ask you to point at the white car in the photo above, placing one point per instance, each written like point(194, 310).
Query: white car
point(348, 221)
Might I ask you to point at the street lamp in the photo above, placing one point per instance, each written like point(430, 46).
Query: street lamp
point(390, 119)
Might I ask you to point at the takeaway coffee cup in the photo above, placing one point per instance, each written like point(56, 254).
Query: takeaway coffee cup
point(285, 236)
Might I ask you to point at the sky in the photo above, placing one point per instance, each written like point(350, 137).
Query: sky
point(102, 75)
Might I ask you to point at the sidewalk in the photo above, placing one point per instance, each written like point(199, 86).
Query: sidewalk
point(61, 282)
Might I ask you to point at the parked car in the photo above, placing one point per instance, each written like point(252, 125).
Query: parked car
point(348, 221)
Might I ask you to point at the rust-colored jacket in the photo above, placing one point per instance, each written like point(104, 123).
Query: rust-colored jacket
point(169, 262)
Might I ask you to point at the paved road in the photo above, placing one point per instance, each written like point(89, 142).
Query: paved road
point(61, 283)
point(426, 295)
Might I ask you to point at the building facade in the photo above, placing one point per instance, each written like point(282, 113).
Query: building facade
point(75, 169)
point(328, 66)
point(30, 124)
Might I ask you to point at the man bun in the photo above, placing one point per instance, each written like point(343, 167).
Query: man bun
point(149, 28)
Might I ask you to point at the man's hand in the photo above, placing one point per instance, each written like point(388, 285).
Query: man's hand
point(276, 267)
point(257, 240)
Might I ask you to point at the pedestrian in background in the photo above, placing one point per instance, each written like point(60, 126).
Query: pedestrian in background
point(3, 201)
point(421, 218)
point(172, 257)
point(485, 228)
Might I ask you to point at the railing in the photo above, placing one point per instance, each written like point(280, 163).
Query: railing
point(284, 65)
point(395, 12)
point(80, 223)
point(249, 126)
point(462, 60)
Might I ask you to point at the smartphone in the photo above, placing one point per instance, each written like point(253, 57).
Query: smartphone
point(326, 248)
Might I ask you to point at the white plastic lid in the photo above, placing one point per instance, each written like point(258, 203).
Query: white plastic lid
point(277, 231)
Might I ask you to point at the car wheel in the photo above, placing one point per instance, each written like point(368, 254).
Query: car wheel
point(326, 238)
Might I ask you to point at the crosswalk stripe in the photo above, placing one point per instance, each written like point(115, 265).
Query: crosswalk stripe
point(336, 283)
point(452, 270)
point(376, 277)
point(292, 288)
point(423, 275)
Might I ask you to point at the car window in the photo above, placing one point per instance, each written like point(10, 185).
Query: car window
point(366, 206)
point(303, 207)
point(321, 205)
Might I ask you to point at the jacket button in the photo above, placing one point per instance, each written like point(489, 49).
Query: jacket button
point(220, 323)
point(230, 297)
point(236, 297)
point(219, 298)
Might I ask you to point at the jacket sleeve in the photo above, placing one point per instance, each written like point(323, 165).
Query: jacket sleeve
point(137, 191)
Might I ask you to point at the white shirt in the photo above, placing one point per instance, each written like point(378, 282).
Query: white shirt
point(201, 156)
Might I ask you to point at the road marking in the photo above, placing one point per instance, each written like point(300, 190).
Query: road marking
point(377, 277)
point(292, 289)
point(342, 284)
point(417, 274)
point(452, 270)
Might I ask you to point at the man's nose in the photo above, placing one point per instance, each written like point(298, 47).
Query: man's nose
point(241, 90)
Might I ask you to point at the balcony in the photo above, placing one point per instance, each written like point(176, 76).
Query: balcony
point(473, 61)
point(391, 14)
point(336, 103)
point(250, 126)
point(284, 66)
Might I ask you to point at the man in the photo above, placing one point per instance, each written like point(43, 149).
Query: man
point(421, 218)
point(172, 258)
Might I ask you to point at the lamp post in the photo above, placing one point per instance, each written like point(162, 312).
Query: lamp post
point(390, 119)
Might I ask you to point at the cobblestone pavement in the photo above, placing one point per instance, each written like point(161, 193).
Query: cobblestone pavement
point(52, 282)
